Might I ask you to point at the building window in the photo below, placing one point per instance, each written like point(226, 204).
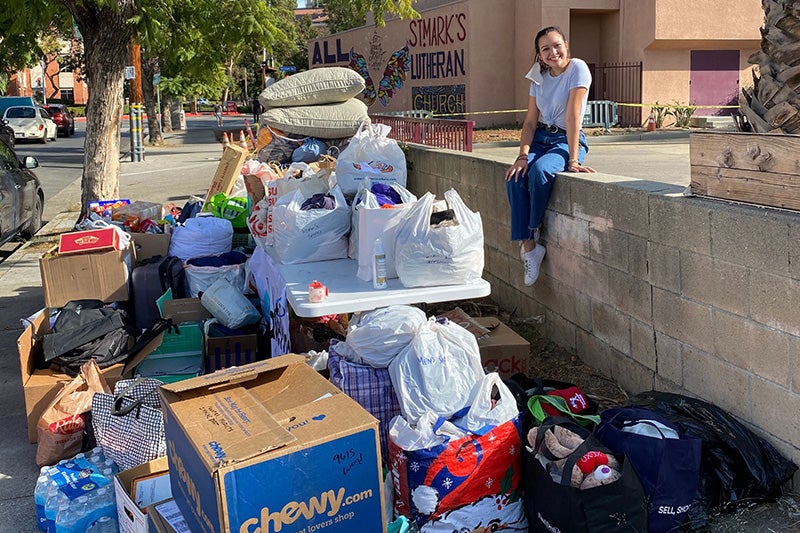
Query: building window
point(67, 95)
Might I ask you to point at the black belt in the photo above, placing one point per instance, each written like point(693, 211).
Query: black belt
point(551, 128)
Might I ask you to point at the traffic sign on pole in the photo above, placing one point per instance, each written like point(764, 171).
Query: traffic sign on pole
point(287, 68)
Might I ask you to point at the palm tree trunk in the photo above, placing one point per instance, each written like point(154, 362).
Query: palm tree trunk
point(773, 105)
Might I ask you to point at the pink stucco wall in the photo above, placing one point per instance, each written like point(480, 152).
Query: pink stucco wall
point(470, 56)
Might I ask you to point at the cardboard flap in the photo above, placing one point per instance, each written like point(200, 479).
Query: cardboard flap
point(231, 426)
point(184, 310)
point(235, 374)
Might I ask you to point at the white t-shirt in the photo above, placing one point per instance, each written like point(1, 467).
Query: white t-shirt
point(552, 94)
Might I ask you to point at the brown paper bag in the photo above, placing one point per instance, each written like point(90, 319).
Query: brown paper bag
point(61, 426)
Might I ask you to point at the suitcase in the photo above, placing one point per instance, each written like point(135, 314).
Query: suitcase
point(147, 288)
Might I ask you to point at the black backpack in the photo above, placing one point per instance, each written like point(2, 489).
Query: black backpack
point(173, 276)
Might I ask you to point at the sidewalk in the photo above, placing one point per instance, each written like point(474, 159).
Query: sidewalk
point(173, 173)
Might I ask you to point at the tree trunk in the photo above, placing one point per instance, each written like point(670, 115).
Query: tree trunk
point(166, 112)
point(773, 105)
point(106, 35)
point(154, 136)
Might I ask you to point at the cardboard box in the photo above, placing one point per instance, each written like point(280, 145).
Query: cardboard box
point(272, 446)
point(229, 168)
point(95, 275)
point(502, 349)
point(163, 515)
point(225, 352)
point(41, 386)
point(94, 240)
point(131, 514)
point(149, 245)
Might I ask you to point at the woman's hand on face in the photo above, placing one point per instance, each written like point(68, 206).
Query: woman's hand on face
point(518, 169)
point(577, 167)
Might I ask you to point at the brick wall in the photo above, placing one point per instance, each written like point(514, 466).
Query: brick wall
point(652, 288)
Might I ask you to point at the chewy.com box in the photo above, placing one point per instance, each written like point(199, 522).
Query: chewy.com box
point(272, 447)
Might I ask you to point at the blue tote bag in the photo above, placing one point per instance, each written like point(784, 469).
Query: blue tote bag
point(669, 468)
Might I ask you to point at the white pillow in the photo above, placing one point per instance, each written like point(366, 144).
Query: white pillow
point(326, 85)
point(328, 121)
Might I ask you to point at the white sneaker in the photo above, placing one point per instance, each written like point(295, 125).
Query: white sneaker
point(533, 260)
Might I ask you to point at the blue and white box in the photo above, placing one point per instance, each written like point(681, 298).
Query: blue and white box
point(272, 446)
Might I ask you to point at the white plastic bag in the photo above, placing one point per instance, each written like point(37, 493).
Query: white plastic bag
point(429, 431)
point(370, 221)
point(370, 154)
point(229, 305)
point(304, 236)
point(201, 235)
point(444, 255)
point(436, 371)
point(200, 278)
point(482, 414)
point(376, 337)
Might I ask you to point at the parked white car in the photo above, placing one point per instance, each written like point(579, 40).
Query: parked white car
point(31, 123)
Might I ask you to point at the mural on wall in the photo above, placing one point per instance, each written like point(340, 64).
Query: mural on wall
point(394, 75)
point(433, 62)
point(440, 99)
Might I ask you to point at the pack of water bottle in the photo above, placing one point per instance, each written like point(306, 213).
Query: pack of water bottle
point(77, 495)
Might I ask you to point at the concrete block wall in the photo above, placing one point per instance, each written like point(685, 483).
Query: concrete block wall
point(652, 288)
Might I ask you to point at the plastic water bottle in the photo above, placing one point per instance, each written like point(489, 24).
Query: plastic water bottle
point(105, 524)
point(40, 497)
point(54, 499)
point(66, 518)
point(378, 265)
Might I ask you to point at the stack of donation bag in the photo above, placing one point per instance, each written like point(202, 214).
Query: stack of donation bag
point(423, 380)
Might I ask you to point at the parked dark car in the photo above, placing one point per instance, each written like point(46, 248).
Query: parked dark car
point(63, 118)
point(21, 195)
point(7, 133)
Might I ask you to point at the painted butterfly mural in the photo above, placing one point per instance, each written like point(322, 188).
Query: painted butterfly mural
point(393, 76)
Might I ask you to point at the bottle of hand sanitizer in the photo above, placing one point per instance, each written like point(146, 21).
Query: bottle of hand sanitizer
point(378, 265)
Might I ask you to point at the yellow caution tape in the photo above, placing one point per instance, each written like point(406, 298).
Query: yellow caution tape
point(436, 115)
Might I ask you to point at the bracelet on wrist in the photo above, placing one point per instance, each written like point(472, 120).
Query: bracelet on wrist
point(571, 161)
point(522, 156)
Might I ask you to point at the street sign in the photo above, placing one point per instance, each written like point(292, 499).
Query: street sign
point(156, 79)
point(130, 73)
point(287, 68)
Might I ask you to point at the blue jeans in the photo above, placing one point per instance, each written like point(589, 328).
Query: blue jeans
point(528, 195)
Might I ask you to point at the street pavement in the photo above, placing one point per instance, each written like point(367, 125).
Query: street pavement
point(173, 173)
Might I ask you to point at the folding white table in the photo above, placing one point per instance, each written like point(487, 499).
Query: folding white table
point(281, 286)
point(349, 294)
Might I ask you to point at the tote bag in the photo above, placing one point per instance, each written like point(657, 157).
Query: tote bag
point(129, 425)
point(617, 507)
point(669, 468)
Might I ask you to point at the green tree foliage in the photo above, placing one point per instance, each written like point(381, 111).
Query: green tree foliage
point(346, 14)
point(198, 46)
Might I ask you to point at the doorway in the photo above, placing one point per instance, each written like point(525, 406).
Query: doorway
point(714, 80)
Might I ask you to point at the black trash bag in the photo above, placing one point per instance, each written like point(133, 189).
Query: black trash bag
point(737, 466)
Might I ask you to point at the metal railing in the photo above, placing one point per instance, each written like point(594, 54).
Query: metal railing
point(441, 133)
point(600, 113)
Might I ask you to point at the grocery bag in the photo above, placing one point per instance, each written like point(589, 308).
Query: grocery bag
point(61, 427)
point(446, 253)
point(464, 474)
point(370, 221)
point(370, 154)
point(436, 371)
point(304, 236)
